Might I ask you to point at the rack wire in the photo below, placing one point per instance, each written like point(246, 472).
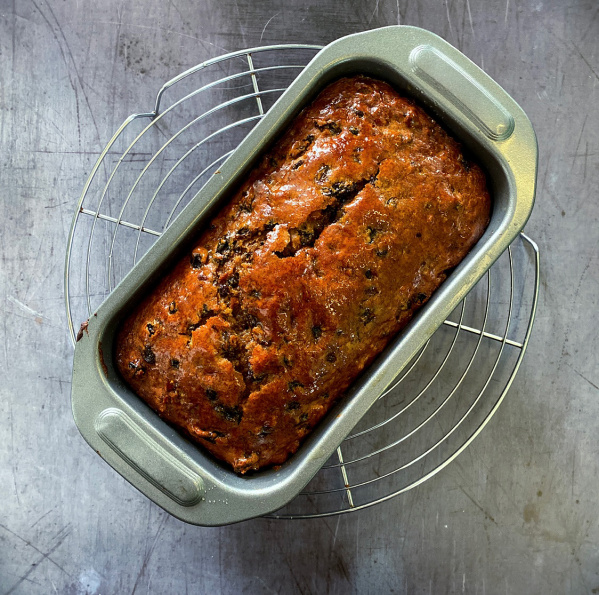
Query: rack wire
point(155, 163)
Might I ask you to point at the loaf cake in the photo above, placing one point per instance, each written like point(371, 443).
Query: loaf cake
point(343, 230)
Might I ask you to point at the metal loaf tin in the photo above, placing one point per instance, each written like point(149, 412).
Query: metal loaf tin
point(178, 475)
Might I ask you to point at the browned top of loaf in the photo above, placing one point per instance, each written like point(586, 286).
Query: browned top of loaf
point(342, 231)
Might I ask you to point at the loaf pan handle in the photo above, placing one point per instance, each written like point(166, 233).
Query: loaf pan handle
point(468, 95)
point(144, 454)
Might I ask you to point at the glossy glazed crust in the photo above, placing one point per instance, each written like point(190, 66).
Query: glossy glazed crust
point(344, 229)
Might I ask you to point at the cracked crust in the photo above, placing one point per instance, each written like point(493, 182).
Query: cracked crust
point(345, 228)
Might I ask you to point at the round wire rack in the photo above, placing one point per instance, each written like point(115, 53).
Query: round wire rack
point(156, 162)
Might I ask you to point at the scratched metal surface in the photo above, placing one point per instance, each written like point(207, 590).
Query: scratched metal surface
point(516, 513)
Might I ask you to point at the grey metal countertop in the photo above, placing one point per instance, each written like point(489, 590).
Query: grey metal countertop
point(515, 513)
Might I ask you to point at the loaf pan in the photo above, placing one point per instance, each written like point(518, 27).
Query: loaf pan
point(178, 475)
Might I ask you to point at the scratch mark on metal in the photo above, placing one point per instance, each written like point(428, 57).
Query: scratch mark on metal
point(5, 340)
point(43, 556)
point(24, 307)
point(267, 22)
point(265, 585)
point(487, 515)
point(60, 204)
point(572, 481)
point(150, 551)
point(336, 529)
point(586, 61)
point(585, 378)
point(375, 11)
point(177, 9)
point(31, 545)
point(470, 17)
point(74, 66)
point(158, 28)
point(14, 458)
point(449, 19)
point(295, 578)
point(44, 516)
point(591, 23)
point(66, 63)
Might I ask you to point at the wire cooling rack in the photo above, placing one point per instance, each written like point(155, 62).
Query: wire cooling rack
point(155, 163)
